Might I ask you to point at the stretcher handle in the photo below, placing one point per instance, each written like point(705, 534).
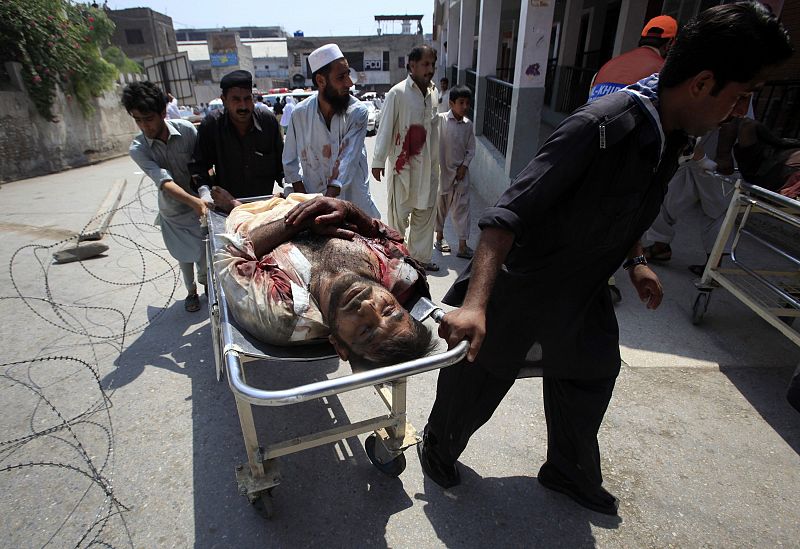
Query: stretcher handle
point(319, 389)
point(775, 198)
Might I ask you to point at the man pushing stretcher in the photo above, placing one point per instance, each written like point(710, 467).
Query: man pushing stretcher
point(305, 268)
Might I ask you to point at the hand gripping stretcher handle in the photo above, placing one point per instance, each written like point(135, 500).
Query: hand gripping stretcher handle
point(319, 389)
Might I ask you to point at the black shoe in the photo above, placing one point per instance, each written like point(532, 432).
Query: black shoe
point(445, 476)
point(599, 500)
point(697, 270)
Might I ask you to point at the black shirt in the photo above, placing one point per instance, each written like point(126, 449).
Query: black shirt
point(246, 165)
point(575, 211)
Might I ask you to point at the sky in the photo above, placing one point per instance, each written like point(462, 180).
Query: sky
point(313, 17)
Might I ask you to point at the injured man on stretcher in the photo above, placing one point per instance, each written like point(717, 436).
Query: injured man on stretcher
point(305, 268)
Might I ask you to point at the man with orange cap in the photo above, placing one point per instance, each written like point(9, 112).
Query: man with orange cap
point(626, 69)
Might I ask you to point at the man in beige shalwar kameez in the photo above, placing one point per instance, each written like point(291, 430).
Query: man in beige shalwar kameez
point(408, 138)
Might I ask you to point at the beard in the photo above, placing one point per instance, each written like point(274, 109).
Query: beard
point(339, 103)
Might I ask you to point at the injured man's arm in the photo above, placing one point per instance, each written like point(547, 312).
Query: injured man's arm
point(311, 268)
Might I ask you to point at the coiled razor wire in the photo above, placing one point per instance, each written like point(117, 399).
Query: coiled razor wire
point(93, 515)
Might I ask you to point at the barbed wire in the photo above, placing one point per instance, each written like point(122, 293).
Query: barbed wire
point(85, 322)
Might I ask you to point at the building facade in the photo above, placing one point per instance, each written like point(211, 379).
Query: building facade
point(195, 35)
point(142, 32)
point(530, 63)
point(264, 58)
point(379, 62)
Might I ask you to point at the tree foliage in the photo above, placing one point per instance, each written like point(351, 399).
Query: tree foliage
point(58, 43)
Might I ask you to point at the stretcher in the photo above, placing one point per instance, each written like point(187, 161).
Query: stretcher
point(763, 269)
point(235, 349)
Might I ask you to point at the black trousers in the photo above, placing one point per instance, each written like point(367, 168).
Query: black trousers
point(467, 395)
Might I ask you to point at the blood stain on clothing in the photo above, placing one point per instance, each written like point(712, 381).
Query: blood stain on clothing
point(326, 151)
point(412, 146)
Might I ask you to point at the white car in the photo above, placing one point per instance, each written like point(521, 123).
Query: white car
point(374, 117)
point(215, 104)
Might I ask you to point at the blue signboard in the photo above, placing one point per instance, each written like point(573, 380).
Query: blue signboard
point(224, 59)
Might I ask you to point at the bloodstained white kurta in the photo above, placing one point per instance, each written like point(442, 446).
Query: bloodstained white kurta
point(408, 138)
point(311, 150)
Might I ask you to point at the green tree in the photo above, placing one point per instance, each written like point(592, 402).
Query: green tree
point(59, 44)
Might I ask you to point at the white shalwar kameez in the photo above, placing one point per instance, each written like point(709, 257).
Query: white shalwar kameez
point(408, 138)
point(312, 150)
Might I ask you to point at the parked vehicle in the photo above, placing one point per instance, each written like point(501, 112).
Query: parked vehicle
point(374, 119)
point(214, 105)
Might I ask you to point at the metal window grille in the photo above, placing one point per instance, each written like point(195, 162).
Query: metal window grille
point(497, 116)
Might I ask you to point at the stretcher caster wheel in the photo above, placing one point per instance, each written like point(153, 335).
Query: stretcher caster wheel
point(262, 503)
point(700, 307)
point(616, 295)
point(392, 468)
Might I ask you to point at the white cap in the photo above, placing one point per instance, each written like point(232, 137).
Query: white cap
point(324, 55)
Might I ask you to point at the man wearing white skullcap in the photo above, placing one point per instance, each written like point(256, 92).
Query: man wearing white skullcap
point(324, 150)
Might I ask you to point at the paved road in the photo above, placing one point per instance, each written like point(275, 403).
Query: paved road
point(698, 443)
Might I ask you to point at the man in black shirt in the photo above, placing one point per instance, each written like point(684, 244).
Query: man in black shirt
point(242, 145)
point(536, 290)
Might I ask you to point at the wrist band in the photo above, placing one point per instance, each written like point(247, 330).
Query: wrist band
point(632, 262)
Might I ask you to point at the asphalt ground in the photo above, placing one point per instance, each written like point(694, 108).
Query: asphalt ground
point(114, 430)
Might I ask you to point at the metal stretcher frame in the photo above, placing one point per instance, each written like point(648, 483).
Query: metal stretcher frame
point(233, 348)
point(772, 294)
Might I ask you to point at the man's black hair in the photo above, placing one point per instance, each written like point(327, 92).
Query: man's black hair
point(415, 344)
point(734, 41)
point(418, 51)
point(323, 71)
point(460, 91)
point(144, 97)
point(653, 41)
point(444, 79)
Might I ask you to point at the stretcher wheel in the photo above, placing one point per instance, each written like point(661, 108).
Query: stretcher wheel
point(262, 503)
point(700, 307)
point(392, 468)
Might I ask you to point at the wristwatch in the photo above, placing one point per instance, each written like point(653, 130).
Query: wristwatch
point(634, 261)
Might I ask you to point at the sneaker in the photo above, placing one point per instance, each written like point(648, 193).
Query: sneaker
point(442, 246)
point(599, 500)
point(445, 476)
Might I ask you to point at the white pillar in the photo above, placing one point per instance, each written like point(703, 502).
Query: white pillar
point(440, 31)
point(453, 23)
point(488, 45)
point(466, 41)
point(630, 25)
point(527, 100)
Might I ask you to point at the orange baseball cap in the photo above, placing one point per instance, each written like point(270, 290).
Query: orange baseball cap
point(662, 26)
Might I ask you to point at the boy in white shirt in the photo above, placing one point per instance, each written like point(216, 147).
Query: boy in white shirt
point(456, 150)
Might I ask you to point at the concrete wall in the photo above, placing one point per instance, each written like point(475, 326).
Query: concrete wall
point(31, 146)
